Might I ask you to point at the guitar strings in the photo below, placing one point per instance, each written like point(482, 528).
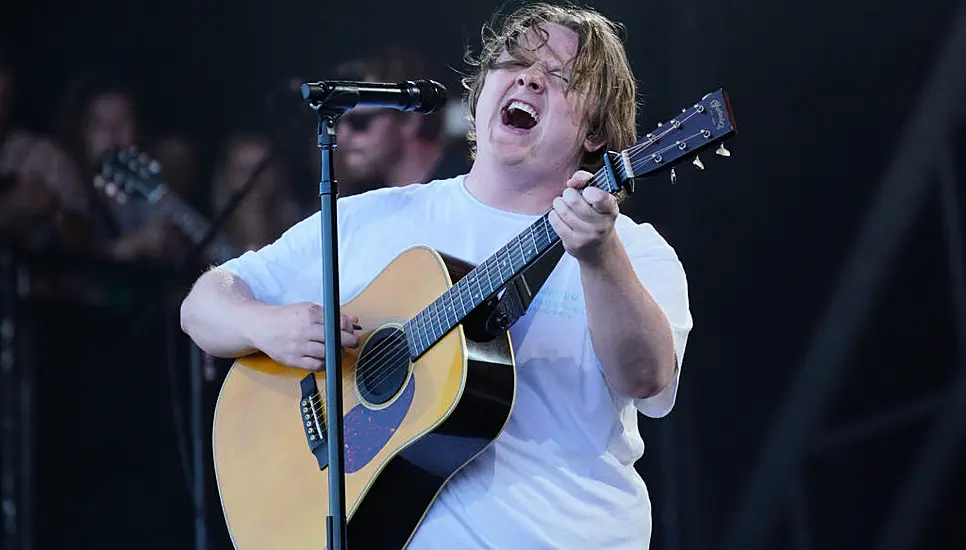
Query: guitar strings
point(385, 347)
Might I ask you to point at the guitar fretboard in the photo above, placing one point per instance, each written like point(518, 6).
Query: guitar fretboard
point(194, 225)
point(433, 322)
point(486, 279)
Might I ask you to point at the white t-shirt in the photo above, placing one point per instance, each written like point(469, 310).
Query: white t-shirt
point(561, 475)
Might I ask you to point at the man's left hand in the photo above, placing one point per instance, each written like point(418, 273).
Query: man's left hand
point(584, 218)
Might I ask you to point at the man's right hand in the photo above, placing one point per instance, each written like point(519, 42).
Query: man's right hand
point(294, 335)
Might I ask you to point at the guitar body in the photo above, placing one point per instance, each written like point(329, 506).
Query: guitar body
point(409, 426)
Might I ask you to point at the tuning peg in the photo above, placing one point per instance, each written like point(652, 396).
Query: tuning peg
point(110, 189)
point(697, 163)
point(98, 181)
point(722, 151)
point(674, 176)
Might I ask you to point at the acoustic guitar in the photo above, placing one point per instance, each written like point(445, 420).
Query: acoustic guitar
point(425, 392)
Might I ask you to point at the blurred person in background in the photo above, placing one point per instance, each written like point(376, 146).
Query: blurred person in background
point(376, 147)
point(269, 207)
point(180, 170)
point(386, 147)
point(100, 114)
point(42, 198)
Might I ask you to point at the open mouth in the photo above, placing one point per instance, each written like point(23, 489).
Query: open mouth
point(520, 115)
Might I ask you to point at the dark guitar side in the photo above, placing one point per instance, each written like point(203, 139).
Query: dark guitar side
point(397, 501)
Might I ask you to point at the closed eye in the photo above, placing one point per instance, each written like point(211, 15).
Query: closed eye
point(561, 77)
point(508, 64)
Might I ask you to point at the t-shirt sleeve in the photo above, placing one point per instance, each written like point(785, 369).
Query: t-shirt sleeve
point(660, 271)
point(287, 270)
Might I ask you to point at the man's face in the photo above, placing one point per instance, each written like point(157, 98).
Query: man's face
point(523, 115)
point(369, 143)
point(110, 124)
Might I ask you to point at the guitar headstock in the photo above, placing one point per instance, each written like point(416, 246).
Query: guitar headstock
point(127, 172)
point(707, 123)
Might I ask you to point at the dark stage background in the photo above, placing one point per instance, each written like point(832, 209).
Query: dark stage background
point(822, 395)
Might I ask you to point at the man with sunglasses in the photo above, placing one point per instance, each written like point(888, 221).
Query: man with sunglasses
point(386, 147)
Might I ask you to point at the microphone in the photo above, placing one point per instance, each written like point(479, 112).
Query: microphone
point(422, 96)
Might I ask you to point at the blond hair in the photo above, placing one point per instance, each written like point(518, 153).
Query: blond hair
point(600, 69)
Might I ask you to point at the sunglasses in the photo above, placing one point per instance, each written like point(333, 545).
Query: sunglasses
point(359, 121)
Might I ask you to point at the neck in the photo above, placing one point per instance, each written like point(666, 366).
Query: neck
point(514, 190)
point(416, 166)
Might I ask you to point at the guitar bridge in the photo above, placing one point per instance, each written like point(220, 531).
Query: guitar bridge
point(312, 413)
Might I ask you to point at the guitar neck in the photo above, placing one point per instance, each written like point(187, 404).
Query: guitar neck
point(488, 278)
point(193, 225)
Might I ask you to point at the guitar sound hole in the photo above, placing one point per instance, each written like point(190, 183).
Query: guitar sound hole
point(382, 366)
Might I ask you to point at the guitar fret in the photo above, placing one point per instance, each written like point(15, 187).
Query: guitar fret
point(489, 276)
point(459, 294)
point(479, 289)
point(413, 335)
point(457, 304)
point(507, 262)
point(420, 332)
point(427, 340)
point(435, 324)
point(417, 333)
point(435, 316)
point(408, 331)
point(419, 329)
point(450, 307)
point(469, 295)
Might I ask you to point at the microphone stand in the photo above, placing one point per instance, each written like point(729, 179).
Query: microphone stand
point(328, 197)
point(330, 101)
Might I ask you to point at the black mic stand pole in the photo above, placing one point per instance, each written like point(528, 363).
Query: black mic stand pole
point(328, 197)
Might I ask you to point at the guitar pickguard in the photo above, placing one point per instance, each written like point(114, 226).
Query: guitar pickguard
point(365, 431)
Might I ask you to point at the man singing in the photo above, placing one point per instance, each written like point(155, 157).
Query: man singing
point(602, 341)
